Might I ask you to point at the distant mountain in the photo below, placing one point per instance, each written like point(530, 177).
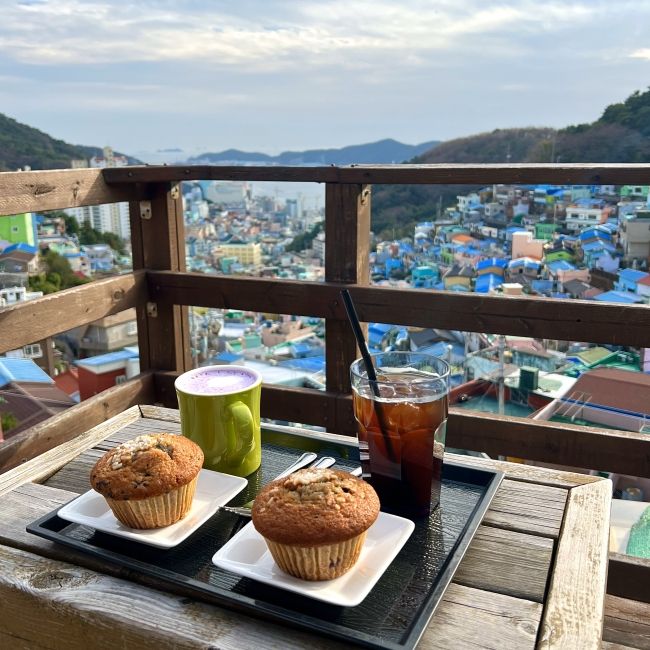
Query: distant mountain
point(22, 145)
point(381, 152)
point(621, 134)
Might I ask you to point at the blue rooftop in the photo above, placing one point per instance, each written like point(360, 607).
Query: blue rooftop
point(492, 261)
point(227, 357)
point(599, 244)
point(308, 364)
point(622, 297)
point(596, 231)
point(560, 265)
point(631, 275)
point(486, 282)
point(542, 286)
point(305, 349)
point(22, 370)
point(526, 262)
point(22, 247)
point(109, 357)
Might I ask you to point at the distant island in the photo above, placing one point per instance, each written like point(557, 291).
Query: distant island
point(375, 153)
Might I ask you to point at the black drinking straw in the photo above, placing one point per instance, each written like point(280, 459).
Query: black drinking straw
point(370, 368)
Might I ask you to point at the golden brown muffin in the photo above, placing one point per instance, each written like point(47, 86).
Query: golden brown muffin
point(315, 521)
point(149, 481)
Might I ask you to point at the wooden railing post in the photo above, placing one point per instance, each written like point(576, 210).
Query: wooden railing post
point(347, 249)
point(158, 242)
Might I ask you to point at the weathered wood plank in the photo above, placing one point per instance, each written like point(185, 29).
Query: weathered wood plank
point(19, 643)
point(523, 472)
point(527, 508)
point(549, 442)
point(462, 174)
point(50, 461)
point(573, 615)
point(60, 605)
point(627, 622)
point(469, 618)
point(629, 577)
point(73, 422)
point(569, 320)
point(33, 320)
point(347, 210)
point(57, 189)
point(508, 563)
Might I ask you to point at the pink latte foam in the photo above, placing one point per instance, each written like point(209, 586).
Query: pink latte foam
point(216, 381)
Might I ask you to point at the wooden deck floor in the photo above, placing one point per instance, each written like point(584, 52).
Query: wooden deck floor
point(627, 624)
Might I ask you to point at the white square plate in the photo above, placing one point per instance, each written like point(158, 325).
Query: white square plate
point(213, 489)
point(248, 555)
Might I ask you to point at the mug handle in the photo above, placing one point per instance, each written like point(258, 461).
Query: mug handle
point(243, 440)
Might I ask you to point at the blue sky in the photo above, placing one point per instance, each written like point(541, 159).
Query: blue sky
point(263, 75)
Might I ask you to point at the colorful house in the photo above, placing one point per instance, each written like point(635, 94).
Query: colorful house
point(545, 230)
point(628, 280)
point(19, 228)
point(19, 258)
point(636, 191)
point(458, 278)
point(105, 370)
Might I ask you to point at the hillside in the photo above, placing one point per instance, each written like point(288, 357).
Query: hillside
point(22, 145)
point(383, 151)
point(620, 135)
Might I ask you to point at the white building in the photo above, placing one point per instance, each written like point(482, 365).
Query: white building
point(111, 217)
point(578, 218)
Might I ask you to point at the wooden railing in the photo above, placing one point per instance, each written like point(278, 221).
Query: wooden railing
point(161, 290)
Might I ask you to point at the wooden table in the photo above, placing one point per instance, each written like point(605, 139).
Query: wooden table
point(534, 575)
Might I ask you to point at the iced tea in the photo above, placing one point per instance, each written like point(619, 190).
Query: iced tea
point(401, 430)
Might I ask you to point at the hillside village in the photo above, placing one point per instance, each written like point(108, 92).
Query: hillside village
point(586, 242)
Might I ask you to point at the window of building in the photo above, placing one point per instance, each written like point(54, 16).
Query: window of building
point(120, 379)
point(33, 351)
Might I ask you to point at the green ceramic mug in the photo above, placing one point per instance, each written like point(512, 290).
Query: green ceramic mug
point(220, 411)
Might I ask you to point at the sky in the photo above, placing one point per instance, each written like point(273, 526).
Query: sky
point(264, 75)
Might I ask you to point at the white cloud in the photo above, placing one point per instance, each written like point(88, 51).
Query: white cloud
point(643, 53)
point(316, 33)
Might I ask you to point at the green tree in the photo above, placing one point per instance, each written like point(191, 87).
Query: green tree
point(304, 240)
point(71, 224)
point(8, 421)
point(89, 236)
point(58, 275)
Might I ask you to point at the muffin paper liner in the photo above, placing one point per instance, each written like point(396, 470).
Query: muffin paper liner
point(155, 512)
point(317, 562)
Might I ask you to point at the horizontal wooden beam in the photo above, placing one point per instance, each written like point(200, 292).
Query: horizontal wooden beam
point(446, 174)
point(75, 421)
point(565, 320)
point(58, 189)
point(548, 442)
point(34, 320)
point(623, 452)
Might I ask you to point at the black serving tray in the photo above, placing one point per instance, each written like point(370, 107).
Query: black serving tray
point(395, 613)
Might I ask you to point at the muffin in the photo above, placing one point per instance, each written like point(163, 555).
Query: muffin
point(149, 482)
point(315, 521)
